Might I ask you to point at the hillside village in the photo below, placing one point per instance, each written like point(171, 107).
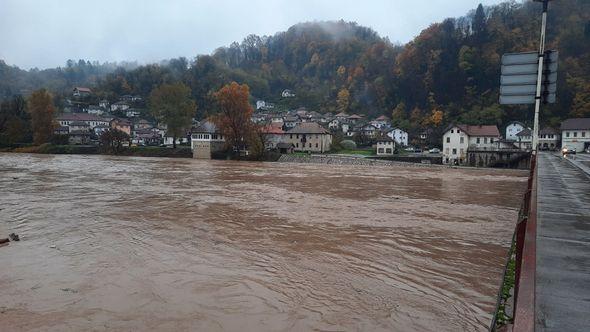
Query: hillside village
point(308, 131)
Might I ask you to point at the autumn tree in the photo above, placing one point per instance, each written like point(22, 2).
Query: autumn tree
point(234, 119)
point(436, 118)
point(172, 105)
point(112, 140)
point(40, 106)
point(343, 100)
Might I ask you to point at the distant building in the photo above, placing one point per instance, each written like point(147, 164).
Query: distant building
point(287, 93)
point(291, 121)
point(90, 119)
point(575, 134)
point(104, 103)
point(123, 125)
point(369, 130)
point(457, 139)
point(309, 137)
point(524, 139)
point(81, 92)
point(264, 106)
point(96, 110)
point(354, 118)
point(385, 146)
point(77, 126)
point(132, 113)
point(206, 139)
point(549, 139)
point(398, 135)
point(381, 121)
point(514, 128)
point(100, 129)
point(273, 136)
point(120, 106)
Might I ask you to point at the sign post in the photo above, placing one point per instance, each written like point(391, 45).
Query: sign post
point(530, 77)
point(540, 76)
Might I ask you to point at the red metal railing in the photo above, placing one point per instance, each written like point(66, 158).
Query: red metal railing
point(526, 256)
point(525, 234)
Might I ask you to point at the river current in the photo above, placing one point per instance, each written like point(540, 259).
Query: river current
point(155, 244)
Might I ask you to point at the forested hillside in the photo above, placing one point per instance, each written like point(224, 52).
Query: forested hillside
point(452, 66)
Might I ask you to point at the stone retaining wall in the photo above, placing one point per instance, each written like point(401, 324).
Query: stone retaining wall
point(343, 160)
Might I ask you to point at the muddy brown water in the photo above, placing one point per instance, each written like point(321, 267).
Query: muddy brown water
point(146, 244)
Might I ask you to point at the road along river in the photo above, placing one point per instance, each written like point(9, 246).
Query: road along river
point(147, 244)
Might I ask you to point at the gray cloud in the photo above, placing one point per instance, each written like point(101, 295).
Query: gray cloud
point(45, 33)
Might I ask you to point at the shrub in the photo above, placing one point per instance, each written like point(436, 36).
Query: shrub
point(348, 145)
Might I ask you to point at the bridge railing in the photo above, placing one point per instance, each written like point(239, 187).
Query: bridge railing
point(524, 238)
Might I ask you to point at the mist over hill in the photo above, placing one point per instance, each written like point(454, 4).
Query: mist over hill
point(452, 66)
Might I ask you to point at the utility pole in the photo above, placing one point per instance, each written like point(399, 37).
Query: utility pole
point(540, 76)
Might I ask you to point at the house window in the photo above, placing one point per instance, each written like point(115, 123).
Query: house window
point(388, 151)
point(461, 151)
point(575, 134)
point(583, 134)
point(291, 136)
point(458, 131)
point(310, 145)
point(297, 144)
point(485, 140)
point(567, 134)
point(462, 140)
point(317, 145)
point(447, 151)
point(380, 150)
point(491, 140)
point(454, 151)
point(452, 131)
point(478, 139)
point(448, 140)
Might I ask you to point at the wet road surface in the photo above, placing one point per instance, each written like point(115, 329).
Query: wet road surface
point(146, 244)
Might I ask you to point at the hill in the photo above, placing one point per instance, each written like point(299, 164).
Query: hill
point(452, 66)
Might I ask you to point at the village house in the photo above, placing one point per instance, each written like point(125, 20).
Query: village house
point(95, 110)
point(120, 106)
point(79, 137)
point(549, 139)
point(264, 106)
point(385, 146)
point(81, 92)
point(398, 135)
point(287, 94)
point(309, 137)
point(149, 136)
point(205, 140)
point(132, 113)
point(90, 119)
point(100, 129)
point(514, 128)
point(75, 126)
point(168, 139)
point(354, 118)
point(369, 130)
point(334, 124)
point(273, 136)
point(524, 139)
point(123, 125)
point(575, 134)
point(61, 130)
point(104, 103)
point(342, 117)
point(381, 122)
point(457, 139)
point(139, 124)
point(291, 121)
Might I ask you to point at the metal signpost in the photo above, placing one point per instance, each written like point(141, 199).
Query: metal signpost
point(530, 77)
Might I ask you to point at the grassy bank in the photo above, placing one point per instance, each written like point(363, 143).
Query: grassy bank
point(138, 151)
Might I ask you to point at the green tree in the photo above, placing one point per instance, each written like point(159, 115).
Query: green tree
point(40, 106)
point(172, 105)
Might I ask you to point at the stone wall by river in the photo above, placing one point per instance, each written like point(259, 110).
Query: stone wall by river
point(112, 243)
point(342, 160)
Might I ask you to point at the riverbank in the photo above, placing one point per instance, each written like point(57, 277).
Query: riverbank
point(135, 151)
point(350, 160)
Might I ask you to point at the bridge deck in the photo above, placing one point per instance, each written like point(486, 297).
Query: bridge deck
point(563, 246)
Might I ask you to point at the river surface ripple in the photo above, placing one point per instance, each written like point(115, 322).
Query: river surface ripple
point(146, 244)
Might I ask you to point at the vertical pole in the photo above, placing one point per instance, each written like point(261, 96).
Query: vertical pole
point(539, 77)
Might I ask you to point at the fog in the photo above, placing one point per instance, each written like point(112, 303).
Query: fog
point(45, 33)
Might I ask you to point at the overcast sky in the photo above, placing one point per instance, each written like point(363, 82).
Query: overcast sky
point(45, 33)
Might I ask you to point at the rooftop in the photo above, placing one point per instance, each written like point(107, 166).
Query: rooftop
point(308, 128)
point(207, 127)
point(576, 124)
point(480, 130)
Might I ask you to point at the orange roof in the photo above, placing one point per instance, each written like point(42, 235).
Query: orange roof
point(273, 129)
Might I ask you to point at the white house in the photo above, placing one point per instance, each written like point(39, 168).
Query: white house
point(575, 134)
point(457, 139)
point(398, 135)
point(96, 110)
point(132, 113)
point(205, 140)
point(263, 105)
point(90, 119)
point(334, 124)
point(120, 106)
point(104, 103)
point(385, 146)
point(524, 139)
point(549, 139)
point(287, 93)
point(381, 121)
point(81, 92)
point(514, 128)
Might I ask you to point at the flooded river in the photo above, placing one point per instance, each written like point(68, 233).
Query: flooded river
point(146, 244)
